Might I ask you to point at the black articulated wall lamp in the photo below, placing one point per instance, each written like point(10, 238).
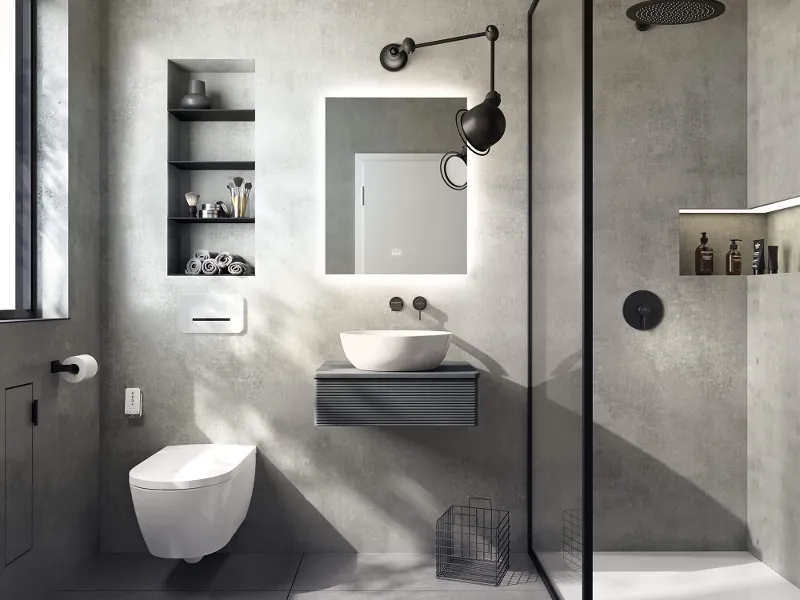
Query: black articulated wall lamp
point(480, 127)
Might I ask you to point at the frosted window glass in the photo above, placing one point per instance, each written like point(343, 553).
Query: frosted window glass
point(8, 100)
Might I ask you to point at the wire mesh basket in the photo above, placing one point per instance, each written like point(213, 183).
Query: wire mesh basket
point(472, 543)
point(572, 539)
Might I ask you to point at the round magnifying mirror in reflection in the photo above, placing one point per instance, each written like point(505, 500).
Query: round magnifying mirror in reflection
point(454, 170)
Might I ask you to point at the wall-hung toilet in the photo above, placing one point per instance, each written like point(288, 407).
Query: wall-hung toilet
point(190, 500)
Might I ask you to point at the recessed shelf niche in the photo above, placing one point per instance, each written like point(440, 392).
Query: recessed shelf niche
point(206, 149)
point(778, 223)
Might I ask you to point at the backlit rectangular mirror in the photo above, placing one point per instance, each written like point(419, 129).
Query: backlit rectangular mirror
point(388, 210)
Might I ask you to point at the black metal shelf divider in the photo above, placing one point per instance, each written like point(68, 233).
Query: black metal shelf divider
point(213, 114)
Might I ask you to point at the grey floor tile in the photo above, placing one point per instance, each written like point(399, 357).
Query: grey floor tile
point(224, 572)
point(400, 572)
point(99, 595)
point(489, 594)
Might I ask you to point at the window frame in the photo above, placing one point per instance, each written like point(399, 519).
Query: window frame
point(26, 257)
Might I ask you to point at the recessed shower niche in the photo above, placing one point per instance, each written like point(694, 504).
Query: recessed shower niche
point(206, 149)
point(778, 223)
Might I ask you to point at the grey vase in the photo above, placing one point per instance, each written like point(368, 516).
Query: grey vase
point(196, 98)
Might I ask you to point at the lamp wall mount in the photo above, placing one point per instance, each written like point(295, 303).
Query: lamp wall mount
point(480, 127)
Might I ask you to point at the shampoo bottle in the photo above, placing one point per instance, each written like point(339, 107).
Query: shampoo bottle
point(733, 260)
point(704, 257)
point(758, 257)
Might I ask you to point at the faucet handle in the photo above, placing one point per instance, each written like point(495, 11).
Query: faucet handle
point(396, 304)
point(420, 304)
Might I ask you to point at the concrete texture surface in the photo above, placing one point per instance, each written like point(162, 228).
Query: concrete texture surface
point(319, 576)
point(333, 490)
point(782, 229)
point(773, 412)
point(66, 442)
point(670, 404)
point(772, 97)
point(375, 125)
point(772, 322)
point(556, 263)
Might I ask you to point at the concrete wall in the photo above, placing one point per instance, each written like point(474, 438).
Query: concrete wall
point(782, 228)
point(375, 125)
point(772, 323)
point(773, 516)
point(66, 443)
point(669, 132)
point(556, 300)
point(316, 489)
point(773, 52)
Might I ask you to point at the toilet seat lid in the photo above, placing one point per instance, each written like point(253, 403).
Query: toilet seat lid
point(191, 466)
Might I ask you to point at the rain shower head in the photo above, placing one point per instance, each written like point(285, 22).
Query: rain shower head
point(673, 12)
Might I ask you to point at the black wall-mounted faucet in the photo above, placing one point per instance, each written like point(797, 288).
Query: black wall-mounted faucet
point(396, 304)
point(420, 304)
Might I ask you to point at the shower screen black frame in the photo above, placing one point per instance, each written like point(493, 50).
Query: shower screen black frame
point(587, 420)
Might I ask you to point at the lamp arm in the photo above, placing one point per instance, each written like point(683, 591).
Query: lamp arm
point(491, 33)
point(491, 64)
point(459, 38)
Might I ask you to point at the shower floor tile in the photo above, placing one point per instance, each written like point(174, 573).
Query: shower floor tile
point(687, 576)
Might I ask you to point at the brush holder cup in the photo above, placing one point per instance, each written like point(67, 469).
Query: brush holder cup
point(239, 206)
point(196, 98)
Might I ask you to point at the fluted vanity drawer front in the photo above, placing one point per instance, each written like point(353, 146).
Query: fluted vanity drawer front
point(398, 399)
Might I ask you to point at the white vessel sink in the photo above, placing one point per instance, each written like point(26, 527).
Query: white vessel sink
point(395, 350)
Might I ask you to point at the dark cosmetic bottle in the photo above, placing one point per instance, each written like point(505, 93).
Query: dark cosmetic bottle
point(772, 255)
point(704, 257)
point(733, 260)
point(758, 257)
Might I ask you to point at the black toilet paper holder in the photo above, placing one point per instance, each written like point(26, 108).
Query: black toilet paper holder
point(57, 367)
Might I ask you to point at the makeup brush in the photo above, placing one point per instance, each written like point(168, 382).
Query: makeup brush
point(238, 181)
point(247, 187)
point(191, 200)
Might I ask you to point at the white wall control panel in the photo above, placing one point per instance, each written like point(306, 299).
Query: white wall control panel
point(210, 313)
point(133, 402)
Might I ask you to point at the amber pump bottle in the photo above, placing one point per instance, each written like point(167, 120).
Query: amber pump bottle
point(733, 260)
point(704, 257)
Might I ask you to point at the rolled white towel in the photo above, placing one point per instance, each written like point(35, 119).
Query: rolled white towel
point(194, 266)
point(205, 254)
point(224, 259)
point(237, 268)
point(210, 267)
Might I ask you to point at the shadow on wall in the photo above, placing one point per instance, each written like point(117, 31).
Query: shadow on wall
point(557, 440)
point(647, 506)
point(317, 489)
point(487, 361)
point(309, 477)
point(474, 461)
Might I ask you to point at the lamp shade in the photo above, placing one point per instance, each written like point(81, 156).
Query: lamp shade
point(482, 126)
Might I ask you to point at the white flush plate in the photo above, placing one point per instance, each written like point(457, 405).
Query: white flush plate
point(210, 313)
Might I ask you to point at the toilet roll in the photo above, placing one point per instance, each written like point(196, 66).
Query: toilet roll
point(87, 368)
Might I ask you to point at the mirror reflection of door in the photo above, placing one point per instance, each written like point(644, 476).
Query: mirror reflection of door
point(407, 220)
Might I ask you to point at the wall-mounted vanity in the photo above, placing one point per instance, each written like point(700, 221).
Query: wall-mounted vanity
point(445, 396)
